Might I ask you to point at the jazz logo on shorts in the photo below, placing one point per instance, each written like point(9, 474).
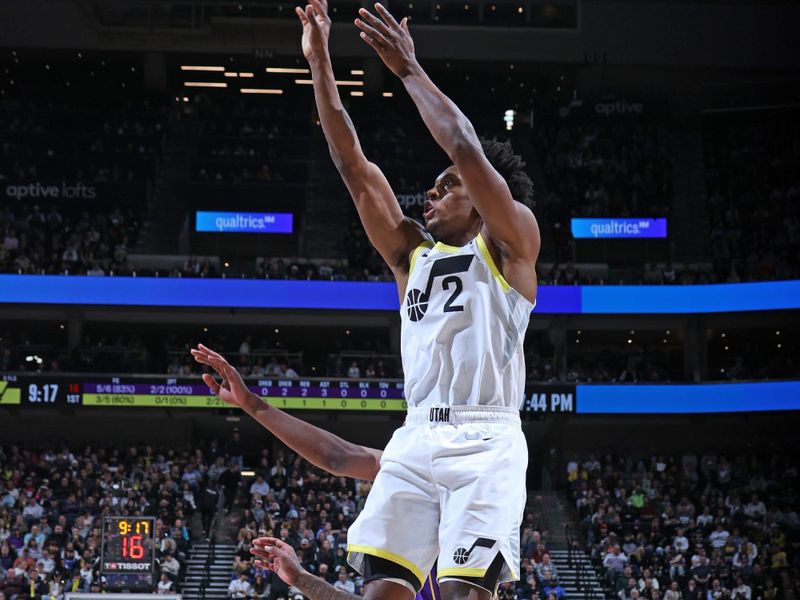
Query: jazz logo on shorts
point(417, 300)
point(461, 554)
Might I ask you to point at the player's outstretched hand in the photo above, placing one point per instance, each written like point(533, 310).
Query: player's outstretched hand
point(390, 39)
point(232, 389)
point(277, 556)
point(316, 28)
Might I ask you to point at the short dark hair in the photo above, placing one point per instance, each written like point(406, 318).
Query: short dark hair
point(511, 167)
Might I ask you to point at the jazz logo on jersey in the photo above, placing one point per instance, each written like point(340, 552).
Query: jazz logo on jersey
point(417, 300)
point(461, 554)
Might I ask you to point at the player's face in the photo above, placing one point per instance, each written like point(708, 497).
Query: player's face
point(448, 211)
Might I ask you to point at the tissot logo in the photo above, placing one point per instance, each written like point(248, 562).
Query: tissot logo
point(65, 190)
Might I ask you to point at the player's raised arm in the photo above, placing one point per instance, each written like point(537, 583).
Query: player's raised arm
point(319, 447)
point(393, 235)
point(510, 225)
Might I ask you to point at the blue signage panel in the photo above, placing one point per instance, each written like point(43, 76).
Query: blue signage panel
point(686, 299)
point(690, 398)
point(243, 222)
point(351, 295)
point(608, 228)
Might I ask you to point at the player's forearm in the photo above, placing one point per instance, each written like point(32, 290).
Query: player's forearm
point(449, 126)
point(339, 131)
point(319, 447)
point(317, 588)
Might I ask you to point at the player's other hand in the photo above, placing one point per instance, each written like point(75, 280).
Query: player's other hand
point(232, 389)
point(277, 556)
point(390, 39)
point(316, 28)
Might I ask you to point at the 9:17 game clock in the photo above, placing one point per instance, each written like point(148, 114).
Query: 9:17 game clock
point(128, 546)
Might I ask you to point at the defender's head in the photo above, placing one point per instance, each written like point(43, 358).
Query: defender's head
point(449, 213)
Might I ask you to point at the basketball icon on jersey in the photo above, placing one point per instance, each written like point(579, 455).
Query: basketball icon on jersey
point(461, 554)
point(417, 300)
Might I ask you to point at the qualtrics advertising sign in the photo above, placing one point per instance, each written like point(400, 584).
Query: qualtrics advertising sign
point(243, 222)
point(619, 228)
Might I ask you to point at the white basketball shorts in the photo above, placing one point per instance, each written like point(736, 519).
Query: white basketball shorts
point(452, 486)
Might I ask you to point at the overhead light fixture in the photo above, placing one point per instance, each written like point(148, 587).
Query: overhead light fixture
point(196, 68)
point(388, 94)
point(261, 91)
point(231, 74)
point(287, 70)
point(246, 75)
point(356, 93)
point(356, 72)
point(341, 82)
point(209, 84)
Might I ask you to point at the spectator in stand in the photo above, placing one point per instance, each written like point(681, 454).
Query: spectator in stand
point(165, 585)
point(259, 486)
point(239, 588)
point(344, 582)
point(353, 372)
point(170, 566)
point(551, 586)
point(229, 481)
point(546, 567)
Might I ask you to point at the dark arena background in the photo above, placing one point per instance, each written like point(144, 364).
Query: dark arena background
point(164, 182)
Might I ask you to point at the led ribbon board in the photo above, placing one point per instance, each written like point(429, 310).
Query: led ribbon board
point(356, 295)
point(93, 392)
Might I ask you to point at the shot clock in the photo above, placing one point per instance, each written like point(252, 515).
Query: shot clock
point(128, 546)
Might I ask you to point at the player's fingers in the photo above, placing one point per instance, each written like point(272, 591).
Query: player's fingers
point(375, 45)
point(301, 13)
point(209, 380)
point(386, 15)
point(370, 35)
point(311, 18)
point(210, 352)
point(404, 24)
point(199, 356)
point(375, 22)
point(321, 11)
point(260, 553)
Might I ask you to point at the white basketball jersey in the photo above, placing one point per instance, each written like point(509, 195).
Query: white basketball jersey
point(462, 329)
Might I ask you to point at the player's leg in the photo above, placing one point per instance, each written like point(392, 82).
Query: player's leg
point(481, 474)
point(461, 590)
point(395, 538)
point(386, 590)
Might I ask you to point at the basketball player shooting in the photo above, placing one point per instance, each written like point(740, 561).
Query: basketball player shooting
point(452, 479)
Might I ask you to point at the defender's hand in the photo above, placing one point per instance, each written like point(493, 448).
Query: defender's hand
point(316, 28)
point(390, 39)
point(277, 556)
point(232, 389)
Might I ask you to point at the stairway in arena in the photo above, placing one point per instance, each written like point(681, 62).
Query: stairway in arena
point(576, 575)
point(208, 571)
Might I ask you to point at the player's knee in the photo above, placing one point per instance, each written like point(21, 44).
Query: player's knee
point(452, 589)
